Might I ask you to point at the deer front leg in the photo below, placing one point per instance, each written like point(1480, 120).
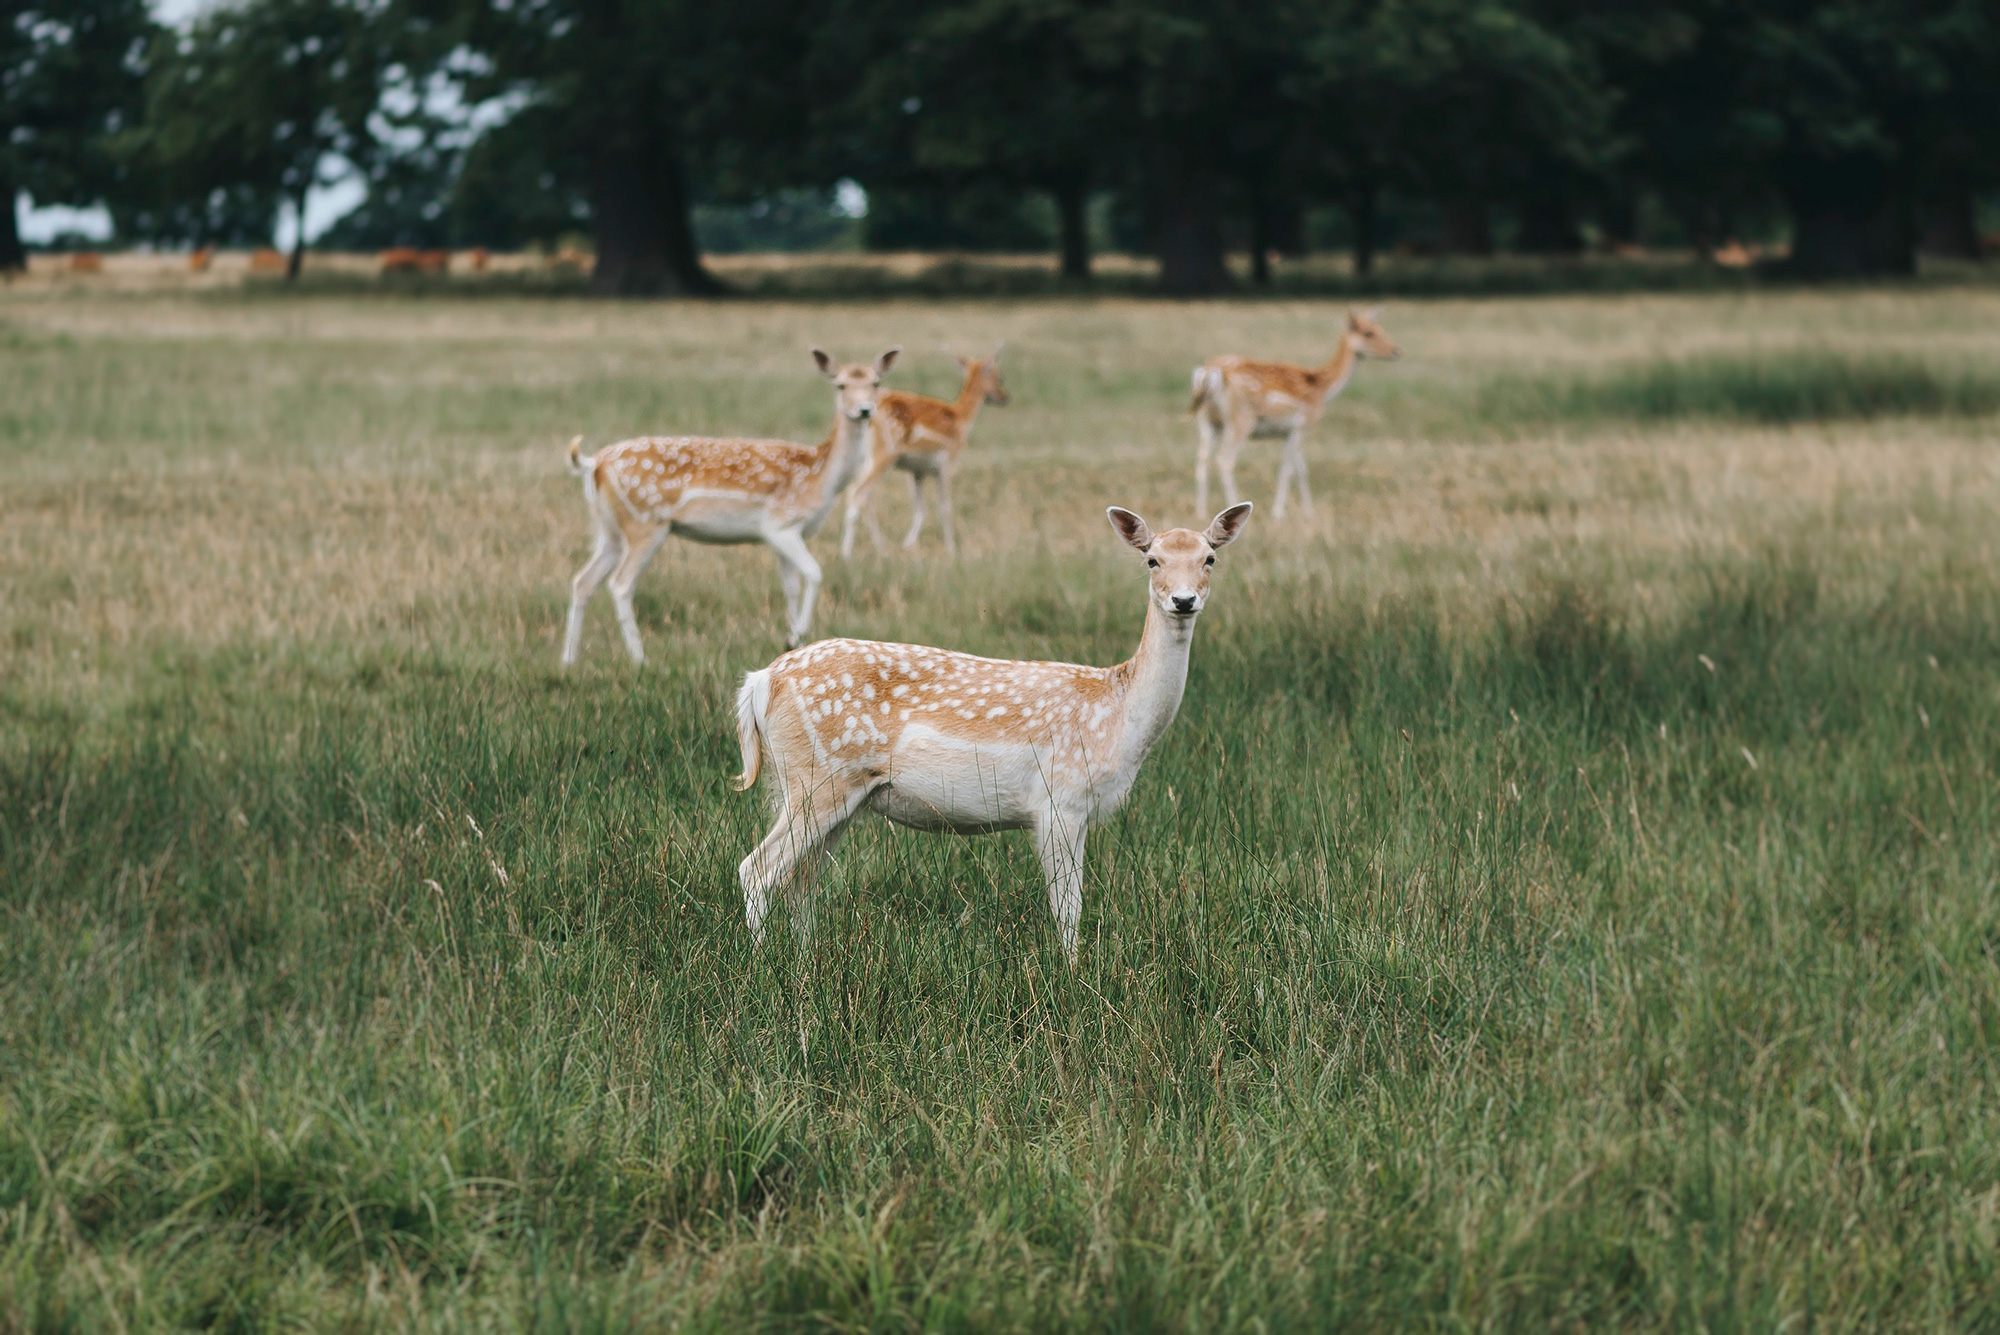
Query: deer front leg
point(916, 512)
point(1059, 840)
point(637, 554)
point(601, 563)
point(793, 554)
point(857, 500)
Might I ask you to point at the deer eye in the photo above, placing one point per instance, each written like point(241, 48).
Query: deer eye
point(1152, 563)
point(1209, 562)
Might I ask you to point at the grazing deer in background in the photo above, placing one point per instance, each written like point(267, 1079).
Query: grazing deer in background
point(924, 437)
point(721, 491)
point(945, 741)
point(1236, 398)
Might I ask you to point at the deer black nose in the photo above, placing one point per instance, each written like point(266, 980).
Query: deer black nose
point(1183, 602)
point(864, 413)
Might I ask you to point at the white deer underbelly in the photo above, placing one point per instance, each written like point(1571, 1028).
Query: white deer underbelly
point(925, 464)
point(718, 517)
point(1278, 426)
point(937, 782)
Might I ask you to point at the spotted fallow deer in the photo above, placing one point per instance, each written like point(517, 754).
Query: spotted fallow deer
point(721, 490)
point(1236, 398)
point(944, 741)
point(923, 437)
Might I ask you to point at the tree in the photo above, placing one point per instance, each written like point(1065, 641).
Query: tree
point(632, 97)
point(1021, 93)
point(253, 106)
point(70, 81)
point(1842, 115)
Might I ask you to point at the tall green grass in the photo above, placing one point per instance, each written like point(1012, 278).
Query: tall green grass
point(1808, 385)
point(1567, 899)
point(1573, 971)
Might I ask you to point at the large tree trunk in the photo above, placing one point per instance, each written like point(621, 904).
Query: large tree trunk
point(1277, 223)
point(1361, 211)
point(1850, 218)
point(298, 259)
point(1548, 222)
point(1260, 242)
point(1950, 231)
point(1073, 215)
point(1287, 226)
point(12, 256)
point(645, 232)
point(1190, 226)
point(1618, 217)
point(1468, 227)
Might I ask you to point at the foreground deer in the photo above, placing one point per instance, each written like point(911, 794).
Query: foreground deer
point(1236, 398)
point(924, 437)
point(721, 491)
point(944, 741)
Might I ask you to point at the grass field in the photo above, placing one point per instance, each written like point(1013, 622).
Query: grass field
point(1568, 898)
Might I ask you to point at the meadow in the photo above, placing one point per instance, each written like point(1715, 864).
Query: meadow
point(1568, 898)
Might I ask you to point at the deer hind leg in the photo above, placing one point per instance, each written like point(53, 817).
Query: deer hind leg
point(1287, 470)
point(1235, 435)
point(637, 554)
point(602, 562)
point(916, 512)
point(791, 582)
point(1295, 451)
point(1059, 842)
point(795, 852)
point(796, 563)
point(1206, 430)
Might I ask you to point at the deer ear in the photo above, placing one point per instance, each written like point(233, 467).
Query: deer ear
point(1353, 319)
point(1372, 313)
point(825, 363)
point(1228, 525)
point(1130, 527)
point(887, 360)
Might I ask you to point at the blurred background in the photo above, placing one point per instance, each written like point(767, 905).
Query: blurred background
point(1825, 139)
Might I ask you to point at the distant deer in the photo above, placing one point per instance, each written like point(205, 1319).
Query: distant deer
point(944, 741)
point(923, 437)
point(1236, 398)
point(720, 491)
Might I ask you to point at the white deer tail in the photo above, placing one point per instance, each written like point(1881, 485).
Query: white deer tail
point(753, 701)
point(579, 462)
point(1205, 382)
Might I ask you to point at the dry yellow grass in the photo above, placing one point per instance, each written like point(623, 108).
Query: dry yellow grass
point(195, 473)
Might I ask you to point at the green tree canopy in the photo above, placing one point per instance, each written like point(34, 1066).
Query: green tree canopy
point(252, 106)
point(70, 81)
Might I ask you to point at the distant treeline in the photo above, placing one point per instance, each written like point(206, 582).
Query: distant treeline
point(1862, 131)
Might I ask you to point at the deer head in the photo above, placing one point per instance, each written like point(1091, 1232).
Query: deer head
point(1178, 561)
point(856, 386)
point(1369, 338)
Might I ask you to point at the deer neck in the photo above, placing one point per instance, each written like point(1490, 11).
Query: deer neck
point(970, 395)
point(1333, 376)
point(844, 453)
point(1155, 677)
